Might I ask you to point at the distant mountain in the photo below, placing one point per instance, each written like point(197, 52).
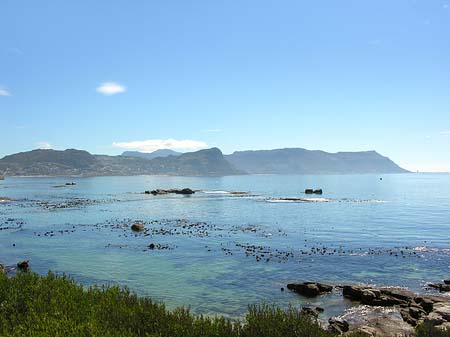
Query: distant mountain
point(72, 162)
point(151, 155)
point(210, 162)
point(301, 161)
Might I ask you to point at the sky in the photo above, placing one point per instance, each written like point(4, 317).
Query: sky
point(110, 76)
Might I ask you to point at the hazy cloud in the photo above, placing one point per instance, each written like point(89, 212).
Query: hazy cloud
point(445, 133)
point(212, 130)
point(4, 92)
point(151, 145)
point(44, 145)
point(111, 88)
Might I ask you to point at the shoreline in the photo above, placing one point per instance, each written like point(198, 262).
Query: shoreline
point(270, 320)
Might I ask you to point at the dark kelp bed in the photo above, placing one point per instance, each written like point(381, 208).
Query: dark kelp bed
point(33, 305)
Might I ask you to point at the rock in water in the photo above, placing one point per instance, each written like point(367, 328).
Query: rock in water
point(309, 191)
point(171, 191)
point(310, 289)
point(23, 265)
point(318, 191)
point(442, 287)
point(138, 227)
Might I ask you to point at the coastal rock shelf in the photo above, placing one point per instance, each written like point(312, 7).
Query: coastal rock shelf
point(381, 311)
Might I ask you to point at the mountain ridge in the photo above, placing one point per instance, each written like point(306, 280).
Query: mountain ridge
point(208, 162)
point(303, 161)
point(151, 155)
point(71, 162)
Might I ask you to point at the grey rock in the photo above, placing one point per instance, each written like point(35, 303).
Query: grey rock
point(310, 289)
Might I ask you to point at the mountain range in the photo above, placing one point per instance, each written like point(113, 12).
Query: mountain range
point(301, 161)
point(151, 155)
point(209, 162)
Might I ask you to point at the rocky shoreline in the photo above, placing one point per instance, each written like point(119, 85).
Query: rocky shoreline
point(376, 311)
point(383, 311)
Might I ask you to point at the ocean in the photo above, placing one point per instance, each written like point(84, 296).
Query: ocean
point(216, 251)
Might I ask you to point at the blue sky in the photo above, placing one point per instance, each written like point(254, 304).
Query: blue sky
point(332, 75)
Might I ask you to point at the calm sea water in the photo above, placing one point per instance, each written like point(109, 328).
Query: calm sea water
point(219, 251)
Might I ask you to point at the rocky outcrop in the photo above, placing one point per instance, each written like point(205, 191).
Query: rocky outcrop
point(376, 321)
point(310, 289)
point(2, 269)
point(185, 191)
point(381, 311)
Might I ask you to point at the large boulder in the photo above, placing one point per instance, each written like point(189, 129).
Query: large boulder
point(310, 289)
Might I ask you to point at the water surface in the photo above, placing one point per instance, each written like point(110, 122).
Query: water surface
point(220, 252)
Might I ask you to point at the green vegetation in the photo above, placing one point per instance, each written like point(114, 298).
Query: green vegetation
point(33, 305)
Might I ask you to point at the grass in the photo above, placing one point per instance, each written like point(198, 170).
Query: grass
point(33, 305)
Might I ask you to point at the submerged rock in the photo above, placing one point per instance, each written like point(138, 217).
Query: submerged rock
point(310, 289)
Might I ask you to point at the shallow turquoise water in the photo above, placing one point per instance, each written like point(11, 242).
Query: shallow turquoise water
point(393, 231)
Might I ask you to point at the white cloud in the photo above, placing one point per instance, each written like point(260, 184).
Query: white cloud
point(151, 145)
point(446, 6)
point(44, 146)
point(4, 92)
point(445, 133)
point(111, 88)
